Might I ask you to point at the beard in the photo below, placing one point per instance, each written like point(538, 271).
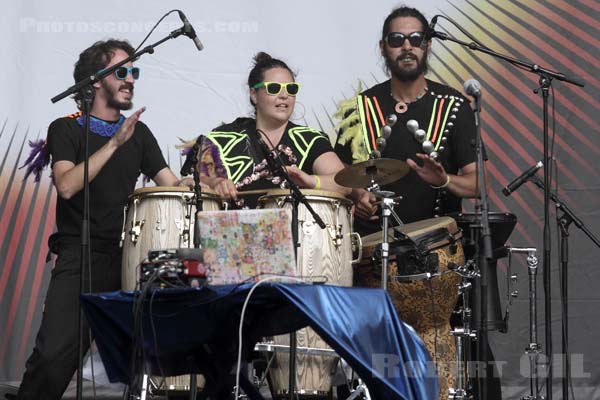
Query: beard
point(407, 74)
point(113, 92)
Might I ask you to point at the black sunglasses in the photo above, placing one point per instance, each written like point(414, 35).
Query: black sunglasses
point(396, 39)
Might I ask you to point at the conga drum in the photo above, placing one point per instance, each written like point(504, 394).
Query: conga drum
point(322, 252)
point(160, 217)
point(421, 284)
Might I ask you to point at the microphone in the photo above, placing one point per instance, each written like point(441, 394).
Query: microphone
point(191, 159)
point(473, 88)
point(521, 179)
point(188, 30)
point(429, 33)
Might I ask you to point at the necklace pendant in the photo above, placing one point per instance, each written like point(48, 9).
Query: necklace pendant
point(401, 107)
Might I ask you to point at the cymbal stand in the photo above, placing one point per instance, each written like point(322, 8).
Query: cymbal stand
point(463, 334)
point(533, 349)
point(387, 198)
point(388, 201)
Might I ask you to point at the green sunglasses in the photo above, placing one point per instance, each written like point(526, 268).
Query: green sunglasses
point(274, 88)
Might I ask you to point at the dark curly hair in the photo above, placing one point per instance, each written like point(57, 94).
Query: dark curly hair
point(262, 63)
point(96, 57)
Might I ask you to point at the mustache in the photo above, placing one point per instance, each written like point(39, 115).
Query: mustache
point(126, 86)
point(406, 54)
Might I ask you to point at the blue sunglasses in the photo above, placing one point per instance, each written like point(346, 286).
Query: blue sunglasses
point(122, 72)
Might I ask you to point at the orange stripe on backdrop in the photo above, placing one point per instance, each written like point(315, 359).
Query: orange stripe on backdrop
point(593, 4)
point(508, 94)
point(19, 236)
point(534, 41)
point(575, 13)
point(438, 119)
point(558, 20)
point(458, 67)
point(7, 217)
point(496, 126)
point(506, 33)
point(493, 170)
point(40, 265)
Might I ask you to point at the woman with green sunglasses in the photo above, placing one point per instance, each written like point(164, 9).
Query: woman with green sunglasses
point(232, 159)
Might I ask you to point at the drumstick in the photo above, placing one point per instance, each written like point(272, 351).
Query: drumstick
point(252, 192)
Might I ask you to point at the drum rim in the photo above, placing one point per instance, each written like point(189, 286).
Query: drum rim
point(167, 190)
point(495, 216)
point(312, 194)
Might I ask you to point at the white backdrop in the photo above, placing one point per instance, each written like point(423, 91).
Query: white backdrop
point(330, 44)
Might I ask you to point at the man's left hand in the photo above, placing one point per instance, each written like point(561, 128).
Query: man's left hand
point(432, 172)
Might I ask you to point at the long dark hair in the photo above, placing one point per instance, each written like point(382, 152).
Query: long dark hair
point(262, 63)
point(96, 57)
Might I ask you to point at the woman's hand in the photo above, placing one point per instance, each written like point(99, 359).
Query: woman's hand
point(301, 178)
point(365, 205)
point(224, 188)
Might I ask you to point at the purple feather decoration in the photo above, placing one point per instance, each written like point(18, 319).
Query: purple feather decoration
point(38, 159)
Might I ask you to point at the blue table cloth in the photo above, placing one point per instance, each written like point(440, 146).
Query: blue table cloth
point(196, 331)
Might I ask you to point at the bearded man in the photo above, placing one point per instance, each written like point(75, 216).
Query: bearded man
point(442, 173)
point(120, 148)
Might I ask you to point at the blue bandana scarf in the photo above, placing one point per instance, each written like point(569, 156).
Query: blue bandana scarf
point(100, 127)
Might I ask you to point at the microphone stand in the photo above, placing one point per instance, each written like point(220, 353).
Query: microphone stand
point(564, 222)
point(277, 169)
point(85, 87)
point(193, 162)
point(545, 81)
point(484, 255)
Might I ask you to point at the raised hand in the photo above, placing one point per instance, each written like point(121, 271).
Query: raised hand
point(432, 172)
point(126, 131)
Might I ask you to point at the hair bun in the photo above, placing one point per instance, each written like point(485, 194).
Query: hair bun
point(262, 58)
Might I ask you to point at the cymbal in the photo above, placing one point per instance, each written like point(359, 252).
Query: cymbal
point(380, 170)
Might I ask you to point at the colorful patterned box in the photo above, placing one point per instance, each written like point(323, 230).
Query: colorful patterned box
point(240, 244)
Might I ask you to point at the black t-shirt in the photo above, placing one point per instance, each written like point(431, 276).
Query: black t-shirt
point(434, 113)
point(110, 188)
point(232, 151)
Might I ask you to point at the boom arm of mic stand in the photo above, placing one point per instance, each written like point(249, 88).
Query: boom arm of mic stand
point(76, 88)
point(564, 208)
point(527, 65)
